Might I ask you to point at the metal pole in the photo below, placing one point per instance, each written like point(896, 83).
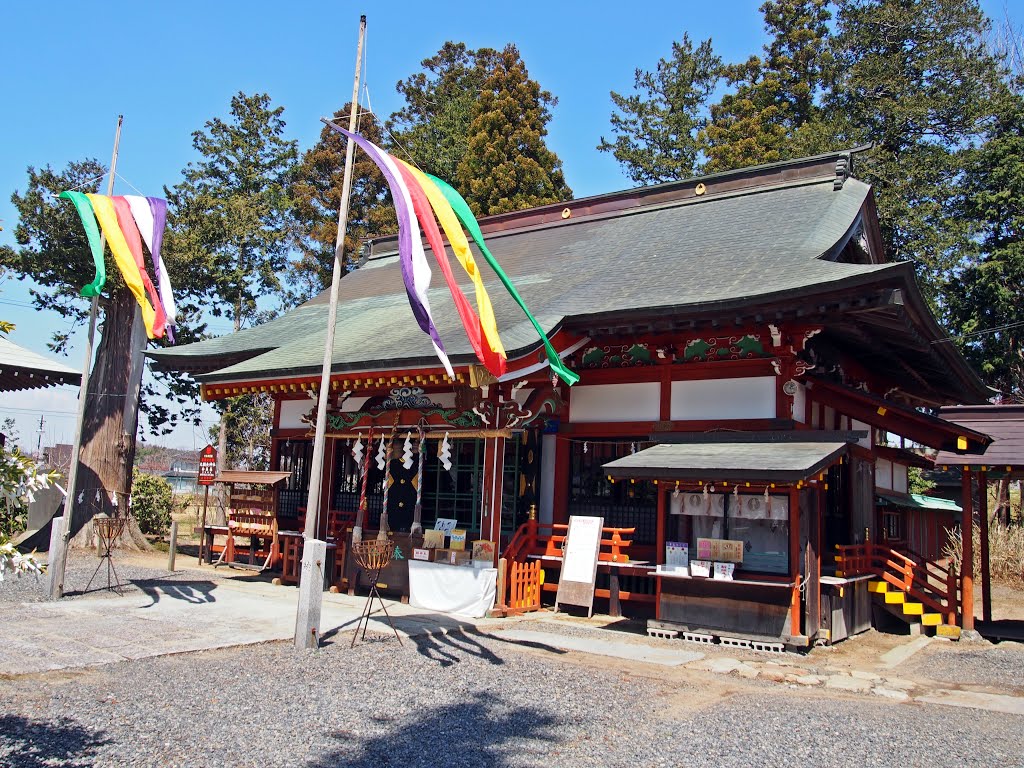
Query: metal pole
point(58, 560)
point(202, 523)
point(307, 616)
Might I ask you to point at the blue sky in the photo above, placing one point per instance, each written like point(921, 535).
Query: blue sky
point(68, 69)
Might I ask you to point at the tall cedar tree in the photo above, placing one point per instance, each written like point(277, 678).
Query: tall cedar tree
point(657, 128)
point(231, 218)
point(988, 295)
point(433, 126)
point(915, 78)
point(507, 165)
point(774, 97)
point(317, 195)
point(54, 253)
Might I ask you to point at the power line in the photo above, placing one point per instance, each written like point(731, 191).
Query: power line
point(979, 333)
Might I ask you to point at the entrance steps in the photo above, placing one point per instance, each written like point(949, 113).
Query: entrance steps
point(902, 606)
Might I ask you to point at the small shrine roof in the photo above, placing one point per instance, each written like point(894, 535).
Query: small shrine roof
point(21, 368)
point(782, 462)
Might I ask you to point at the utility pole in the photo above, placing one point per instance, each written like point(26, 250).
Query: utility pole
point(314, 553)
point(39, 442)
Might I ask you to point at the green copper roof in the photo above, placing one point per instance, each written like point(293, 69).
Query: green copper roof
point(920, 501)
point(685, 254)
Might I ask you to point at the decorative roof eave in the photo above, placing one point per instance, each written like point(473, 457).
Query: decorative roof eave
point(898, 419)
point(367, 378)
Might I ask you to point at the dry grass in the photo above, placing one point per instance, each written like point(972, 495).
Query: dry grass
point(1006, 551)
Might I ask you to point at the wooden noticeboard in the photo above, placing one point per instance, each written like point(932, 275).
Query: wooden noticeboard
point(579, 562)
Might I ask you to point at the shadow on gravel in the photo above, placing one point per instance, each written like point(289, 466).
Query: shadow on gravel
point(34, 743)
point(483, 731)
point(196, 592)
point(443, 648)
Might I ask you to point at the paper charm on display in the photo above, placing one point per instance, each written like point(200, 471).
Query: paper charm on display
point(381, 454)
point(444, 453)
point(357, 453)
point(419, 197)
point(407, 451)
point(125, 222)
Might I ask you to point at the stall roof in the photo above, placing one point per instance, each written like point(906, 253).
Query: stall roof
point(24, 369)
point(245, 476)
point(787, 462)
point(1004, 423)
point(920, 501)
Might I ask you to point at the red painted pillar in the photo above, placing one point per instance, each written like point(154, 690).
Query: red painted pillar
point(659, 555)
point(986, 581)
point(967, 551)
point(491, 491)
point(794, 559)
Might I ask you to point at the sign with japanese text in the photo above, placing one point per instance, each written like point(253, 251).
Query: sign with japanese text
point(720, 549)
point(207, 466)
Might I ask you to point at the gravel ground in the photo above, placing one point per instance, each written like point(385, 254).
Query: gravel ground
point(461, 700)
point(999, 667)
point(81, 565)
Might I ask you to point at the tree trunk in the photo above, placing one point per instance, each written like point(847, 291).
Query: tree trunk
point(1002, 512)
point(108, 447)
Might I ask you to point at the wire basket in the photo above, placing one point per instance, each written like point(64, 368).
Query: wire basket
point(108, 529)
point(373, 555)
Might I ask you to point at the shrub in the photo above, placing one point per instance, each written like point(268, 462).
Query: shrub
point(152, 502)
point(1005, 551)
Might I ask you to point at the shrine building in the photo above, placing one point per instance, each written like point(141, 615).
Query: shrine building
point(751, 369)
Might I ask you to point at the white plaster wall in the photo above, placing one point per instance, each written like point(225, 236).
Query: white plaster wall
point(899, 478)
point(883, 474)
point(752, 397)
point(547, 478)
point(860, 426)
point(828, 418)
point(614, 402)
point(293, 410)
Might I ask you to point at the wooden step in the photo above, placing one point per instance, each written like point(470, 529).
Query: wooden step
point(931, 619)
point(878, 586)
point(894, 598)
point(913, 609)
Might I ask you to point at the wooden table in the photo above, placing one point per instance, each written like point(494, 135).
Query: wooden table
point(614, 571)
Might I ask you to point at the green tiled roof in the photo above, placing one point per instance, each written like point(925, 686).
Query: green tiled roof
point(698, 252)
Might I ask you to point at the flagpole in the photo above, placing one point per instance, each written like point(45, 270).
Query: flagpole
point(58, 560)
point(307, 618)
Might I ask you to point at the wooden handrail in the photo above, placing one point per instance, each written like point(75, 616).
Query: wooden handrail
point(913, 578)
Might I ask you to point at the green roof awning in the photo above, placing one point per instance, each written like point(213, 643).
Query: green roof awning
point(783, 462)
point(919, 501)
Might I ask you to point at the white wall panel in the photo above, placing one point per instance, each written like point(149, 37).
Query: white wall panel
point(293, 410)
point(899, 478)
point(883, 474)
point(747, 398)
point(614, 402)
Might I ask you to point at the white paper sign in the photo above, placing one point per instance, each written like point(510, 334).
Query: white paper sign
point(581, 549)
point(445, 524)
point(677, 555)
point(724, 571)
point(700, 568)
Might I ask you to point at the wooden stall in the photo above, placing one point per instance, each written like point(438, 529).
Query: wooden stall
point(251, 535)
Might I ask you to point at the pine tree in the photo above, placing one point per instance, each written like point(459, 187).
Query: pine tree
point(914, 78)
point(507, 166)
point(774, 97)
point(986, 308)
point(433, 127)
point(657, 127)
point(231, 218)
point(317, 194)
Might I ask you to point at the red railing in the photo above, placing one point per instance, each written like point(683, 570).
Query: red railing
point(926, 581)
point(519, 576)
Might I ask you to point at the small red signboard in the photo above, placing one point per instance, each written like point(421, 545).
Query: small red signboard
point(207, 465)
